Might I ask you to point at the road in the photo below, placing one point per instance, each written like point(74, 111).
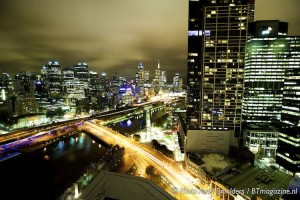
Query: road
point(164, 165)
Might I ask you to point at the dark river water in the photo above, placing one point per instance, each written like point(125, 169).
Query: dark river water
point(46, 173)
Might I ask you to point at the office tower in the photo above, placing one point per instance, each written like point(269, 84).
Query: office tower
point(147, 77)
point(157, 75)
point(68, 85)
point(163, 78)
point(217, 35)
point(81, 72)
point(53, 79)
point(288, 153)
point(94, 85)
point(266, 61)
point(176, 80)
point(104, 83)
point(140, 75)
point(6, 86)
point(269, 53)
point(24, 82)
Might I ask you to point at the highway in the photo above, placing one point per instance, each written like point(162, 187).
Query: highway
point(143, 154)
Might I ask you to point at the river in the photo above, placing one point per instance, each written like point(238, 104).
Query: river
point(47, 173)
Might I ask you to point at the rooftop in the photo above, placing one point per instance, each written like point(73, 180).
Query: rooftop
point(211, 162)
point(110, 185)
point(250, 177)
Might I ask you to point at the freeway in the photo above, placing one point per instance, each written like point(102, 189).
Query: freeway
point(160, 162)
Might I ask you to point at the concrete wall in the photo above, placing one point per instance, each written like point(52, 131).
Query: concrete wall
point(212, 141)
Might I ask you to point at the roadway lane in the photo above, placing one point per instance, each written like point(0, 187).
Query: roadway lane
point(160, 162)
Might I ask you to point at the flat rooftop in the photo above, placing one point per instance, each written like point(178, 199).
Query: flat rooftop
point(211, 163)
point(248, 177)
point(110, 185)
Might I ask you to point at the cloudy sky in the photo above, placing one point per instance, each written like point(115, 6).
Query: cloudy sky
point(110, 35)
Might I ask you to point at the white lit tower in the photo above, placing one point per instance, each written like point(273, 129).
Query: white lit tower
point(157, 75)
point(53, 79)
point(140, 75)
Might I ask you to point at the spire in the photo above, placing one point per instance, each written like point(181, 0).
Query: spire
point(158, 65)
point(140, 65)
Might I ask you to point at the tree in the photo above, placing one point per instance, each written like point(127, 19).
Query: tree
point(136, 137)
point(150, 170)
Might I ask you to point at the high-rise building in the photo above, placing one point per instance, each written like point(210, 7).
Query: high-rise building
point(104, 83)
point(163, 78)
point(140, 75)
point(217, 35)
point(269, 53)
point(53, 79)
point(81, 71)
point(157, 75)
point(288, 153)
point(6, 86)
point(147, 77)
point(24, 82)
point(94, 84)
point(176, 80)
point(68, 85)
point(266, 59)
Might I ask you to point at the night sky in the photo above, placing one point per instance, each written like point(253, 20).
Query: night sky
point(110, 35)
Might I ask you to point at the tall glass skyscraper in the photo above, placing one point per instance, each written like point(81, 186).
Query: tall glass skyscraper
point(288, 153)
point(270, 52)
point(267, 58)
point(217, 35)
point(54, 79)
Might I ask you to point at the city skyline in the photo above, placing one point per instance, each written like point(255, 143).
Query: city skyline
point(110, 36)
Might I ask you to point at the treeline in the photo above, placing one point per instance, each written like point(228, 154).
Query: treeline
point(162, 148)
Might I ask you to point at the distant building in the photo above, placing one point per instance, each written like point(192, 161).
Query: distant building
point(140, 75)
point(24, 104)
point(52, 74)
point(176, 80)
point(157, 75)
point(147, 77)
point(6, 86)
point(24, 82)
point(94, 84)
point(81, 72)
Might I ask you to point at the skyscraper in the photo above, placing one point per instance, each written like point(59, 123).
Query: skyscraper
point(270, 52)
point(53, 79)
point(140, 75)
point(288, 154)
point(81, 72)
point(266, 61)
point(217, 35)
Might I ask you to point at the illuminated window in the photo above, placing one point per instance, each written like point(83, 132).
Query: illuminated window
point(207, 33)
point(193, 33)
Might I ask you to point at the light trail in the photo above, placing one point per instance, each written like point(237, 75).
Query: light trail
point(179, 181)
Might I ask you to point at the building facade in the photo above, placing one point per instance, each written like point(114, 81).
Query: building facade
point(288, 154)
point(266, 61)
point(217, 35)
point(269, 53)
